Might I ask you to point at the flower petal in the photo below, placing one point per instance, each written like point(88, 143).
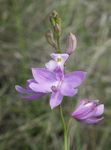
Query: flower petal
point(68, 90)
point(75, 78)
point(93, 120)
point(44, 88)
point(22, 90)
point(51, 65)
point(83, 109)
point(59, 73)
point(56, 99)
point(42, 75)
point(99, 110)
point(64, 57)
point(34, 97)
point(88, 114)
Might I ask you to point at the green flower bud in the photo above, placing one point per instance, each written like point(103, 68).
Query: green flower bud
point(50, 38)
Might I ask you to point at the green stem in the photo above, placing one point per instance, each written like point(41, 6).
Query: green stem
point(58, 45)
point(64, 128)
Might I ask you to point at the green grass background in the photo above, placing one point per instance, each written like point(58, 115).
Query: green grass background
point(33, 125)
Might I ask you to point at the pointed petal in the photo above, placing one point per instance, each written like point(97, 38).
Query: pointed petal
point(42, 75)
point(30, 80)
point(56, 99)
point(34, 97)
point(75, 78)
point(93, 120)
point(44, 88)
point(80, 74)
point(22, 90)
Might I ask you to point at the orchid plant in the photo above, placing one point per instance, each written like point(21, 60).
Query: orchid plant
point(53, 79)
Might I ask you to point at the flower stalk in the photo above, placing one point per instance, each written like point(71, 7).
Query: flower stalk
point(64, 128)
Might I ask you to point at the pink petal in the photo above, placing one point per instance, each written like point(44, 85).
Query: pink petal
point(22, 90)
point(56, 99)
point(83, 110)
point(93, 120)
point(34, 97)
point(51, 65)
point(68, 90)
point(44, 88)
point(75, 78)
point(42, 75)
point(99, 110)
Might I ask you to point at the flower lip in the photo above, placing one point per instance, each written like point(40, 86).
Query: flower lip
point(59, 59)
point(56, 63)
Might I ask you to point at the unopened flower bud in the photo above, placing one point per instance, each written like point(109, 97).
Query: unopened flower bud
point(55, 19)
point(52, 18)
point(89, 111)
point(50, 38)
point(71, 43)
point(54, 13)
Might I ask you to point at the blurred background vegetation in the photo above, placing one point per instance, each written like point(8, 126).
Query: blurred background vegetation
point(32, 125)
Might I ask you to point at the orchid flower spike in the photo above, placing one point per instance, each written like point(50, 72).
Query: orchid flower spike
point(57, 62)
point(59, 86)
point(88, 111)
point(71, 43)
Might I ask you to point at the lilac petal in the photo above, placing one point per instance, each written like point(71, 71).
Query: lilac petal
point(83, 110)
point(88, 114)
point(59, 73)
point(56, 99)
point(75, 78)
point(64, 57)
point(67, 90)
point(30, 81)
point(44, 88)
point(81, 103)
point(80, 74)
point(42, 75)
point(22, 90)
point(93, 120)
point(51, 65)
point(99, 110)
point(34, 97)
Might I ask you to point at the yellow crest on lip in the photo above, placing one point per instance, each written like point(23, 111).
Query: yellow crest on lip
point(59, 60)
